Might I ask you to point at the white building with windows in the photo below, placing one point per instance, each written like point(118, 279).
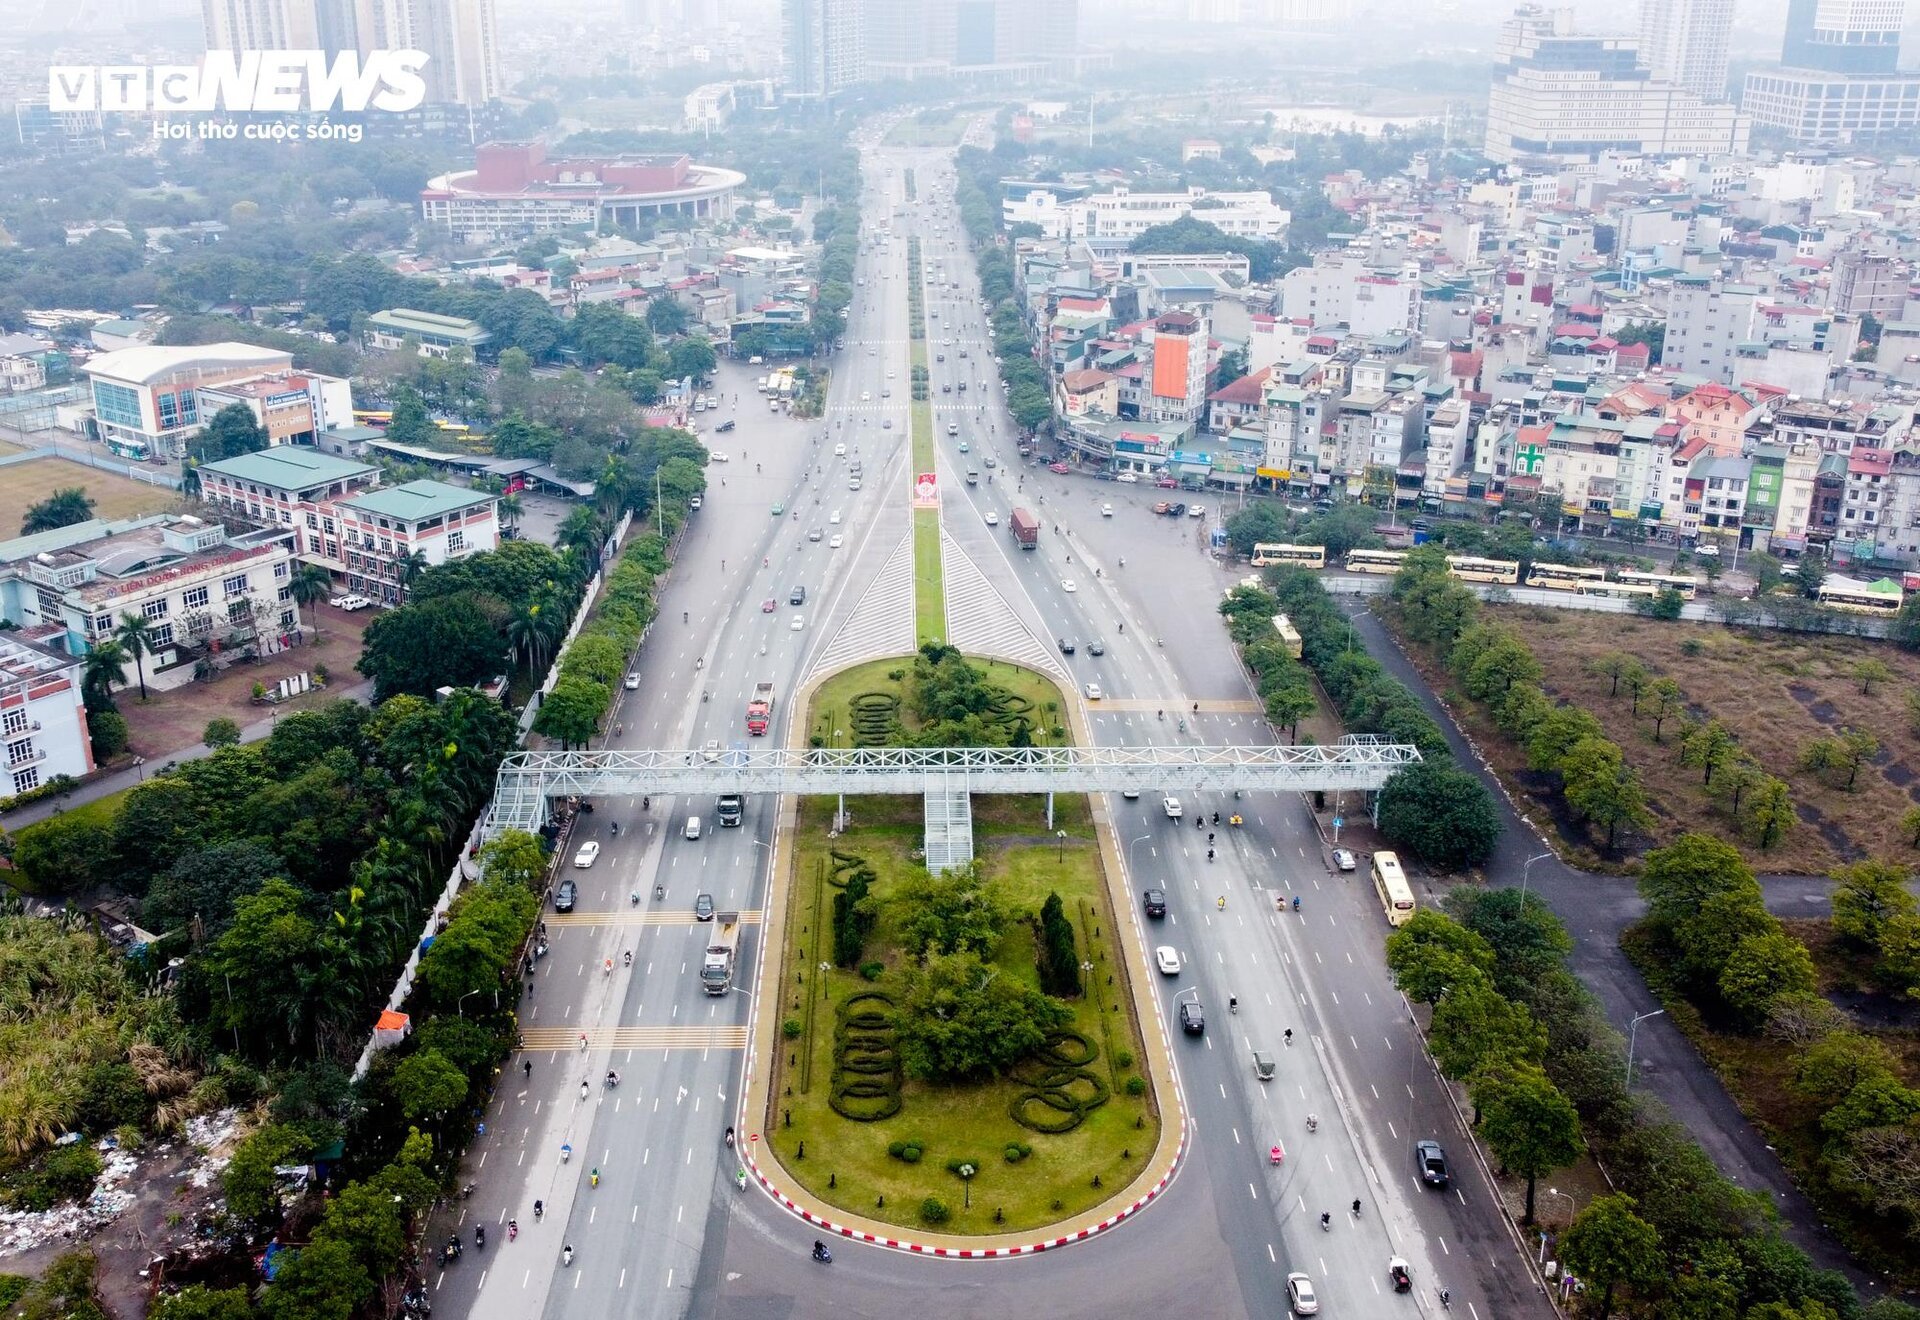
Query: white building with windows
point(296, 488)
point(149, 401)
point(382, 528)
point(1124, 215)
point(195, 583)
point(43, 721)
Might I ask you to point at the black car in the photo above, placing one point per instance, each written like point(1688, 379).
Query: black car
point(703, 908)
point(1066, 646)
point(1431, 1161)
point(1175, 509)
point(1095, 648)
point(799, 596)
point(564, 896)
point(1192, 1020)
point(1155, 902)
point(724, 426)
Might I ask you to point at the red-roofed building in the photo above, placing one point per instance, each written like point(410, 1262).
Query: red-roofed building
point(1238, 403)
point(1714, 414)
point(1089, 391)
point(1463, 369)
point(1632, 358)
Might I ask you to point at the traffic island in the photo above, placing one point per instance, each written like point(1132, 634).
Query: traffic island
point(889, 1108)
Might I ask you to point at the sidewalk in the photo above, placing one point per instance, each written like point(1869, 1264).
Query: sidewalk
point(111, 783)
point(1157, 1060)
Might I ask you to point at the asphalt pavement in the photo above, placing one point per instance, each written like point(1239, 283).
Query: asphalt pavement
point(665, 1232)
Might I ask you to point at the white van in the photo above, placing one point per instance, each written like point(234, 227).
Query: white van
point(693, 827)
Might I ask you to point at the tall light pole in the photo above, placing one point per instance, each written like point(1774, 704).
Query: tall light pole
point(1130, 846)
point(1633, 1033)
point(1537, 857)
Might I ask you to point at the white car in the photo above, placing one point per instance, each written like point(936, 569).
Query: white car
point(1196, 511)
point(1300, 1295)
point(633, 682)
point(866, 396)
point(585, 857)
point(1128, 478)
point(717, 457)
point(1342, 860)
point(1093, 692)
point(836, 542)
point(993, 519)
point(1167, 958)
point(840, 451)
point(853, 483)
point(711, 750)
point(834, 520)
point(799, 623)
point(1106, 511)
point(1171, 805)
point(1069, 585)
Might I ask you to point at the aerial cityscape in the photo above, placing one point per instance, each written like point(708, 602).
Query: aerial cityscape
point(845, 658)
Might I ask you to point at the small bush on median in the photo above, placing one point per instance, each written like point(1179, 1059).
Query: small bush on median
point(935, 1211)
point(1017, 1151)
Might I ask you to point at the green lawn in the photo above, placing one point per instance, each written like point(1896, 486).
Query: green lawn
point(846, 1163)
point(929, 584)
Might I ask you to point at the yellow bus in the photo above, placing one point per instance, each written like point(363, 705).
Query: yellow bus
point(1266, 553)
point(1390, 882)
point(1564, 577)
point(1375, 561)
point(1472, 568)
point(1843, 593)
point(1618, 590)
point(372, 416)
point(1688, 587)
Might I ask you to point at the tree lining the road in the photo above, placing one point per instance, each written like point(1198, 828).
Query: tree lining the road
point(1545, 1072)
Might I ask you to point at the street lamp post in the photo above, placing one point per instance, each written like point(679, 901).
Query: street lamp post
point(1633, 1032)
point(1572, 1206)
point(1525, 871)
point(1130, 846)
point(1061, 836)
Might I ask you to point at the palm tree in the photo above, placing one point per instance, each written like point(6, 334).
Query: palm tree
point(527, 633)
point(135, 634)
point(310, 585)
point(510, 508)
point(407, 569)
point(610, 488)
point(106, 665)
point(582, 534)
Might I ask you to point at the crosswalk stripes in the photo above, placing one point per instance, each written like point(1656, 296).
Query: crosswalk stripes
point(881, 622)
point(639, 917)
point(980, 621)
point(634, 1038)
point(1183, 705)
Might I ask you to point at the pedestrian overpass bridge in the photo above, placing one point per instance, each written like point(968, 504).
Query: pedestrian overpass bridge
point(947, 777)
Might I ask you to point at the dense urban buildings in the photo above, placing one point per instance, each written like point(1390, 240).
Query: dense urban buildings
point(1684, 42)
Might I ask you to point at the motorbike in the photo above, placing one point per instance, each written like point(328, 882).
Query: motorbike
point(822, 1254)
point(1275, 1155)
point(479, 1237)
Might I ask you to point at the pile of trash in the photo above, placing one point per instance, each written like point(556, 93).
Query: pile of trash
point(25, 1230)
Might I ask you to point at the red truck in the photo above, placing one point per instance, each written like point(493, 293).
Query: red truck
point(760, 709)
point(1025, 528)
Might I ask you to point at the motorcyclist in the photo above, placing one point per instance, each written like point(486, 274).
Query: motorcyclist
point(479, 1237)
point(566, 1255)
point(539, 1208)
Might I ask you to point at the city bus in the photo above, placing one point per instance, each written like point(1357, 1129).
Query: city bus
point(1390, 882)
point(1688, 587)
point(1564, 577)
point(1618, 590)
point(1842, 593)
point(1266, 553)
point(1375, 561)
point(452, 428)
point(1472, 568)
point(372, 416)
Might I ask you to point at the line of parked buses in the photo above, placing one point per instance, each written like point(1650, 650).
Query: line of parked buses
point(1585, 580)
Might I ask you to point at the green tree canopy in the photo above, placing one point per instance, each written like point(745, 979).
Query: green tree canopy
point(1677, 879)
point(1528, 1124)
point(1432, 953)
point(230, 433)
point(1609, 1245)
point(1440, 813)
point(63, 508)
point(960, 1019)
point(956, 910)
point(1475, 1026)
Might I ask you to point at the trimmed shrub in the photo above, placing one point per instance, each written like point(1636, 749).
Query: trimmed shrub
point(934, 1211)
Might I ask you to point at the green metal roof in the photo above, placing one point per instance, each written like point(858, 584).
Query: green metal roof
point(416, 500)
point(289, 467)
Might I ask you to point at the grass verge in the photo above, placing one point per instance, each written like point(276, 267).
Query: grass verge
point(929, 583)
point(849, 1164)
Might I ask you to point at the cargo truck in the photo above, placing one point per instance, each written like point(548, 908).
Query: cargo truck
point(1025, 528)
point(760, 709)
point(716, 971)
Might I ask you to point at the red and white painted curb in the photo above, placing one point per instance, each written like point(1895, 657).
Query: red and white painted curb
point(968, 1253)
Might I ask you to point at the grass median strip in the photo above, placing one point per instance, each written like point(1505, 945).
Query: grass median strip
point(1013, 1142)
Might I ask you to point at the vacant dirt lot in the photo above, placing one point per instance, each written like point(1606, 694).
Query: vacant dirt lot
point(1775, 691)
point(23, 485)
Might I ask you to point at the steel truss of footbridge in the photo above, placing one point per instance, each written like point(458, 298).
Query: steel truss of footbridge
point(530, 782)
